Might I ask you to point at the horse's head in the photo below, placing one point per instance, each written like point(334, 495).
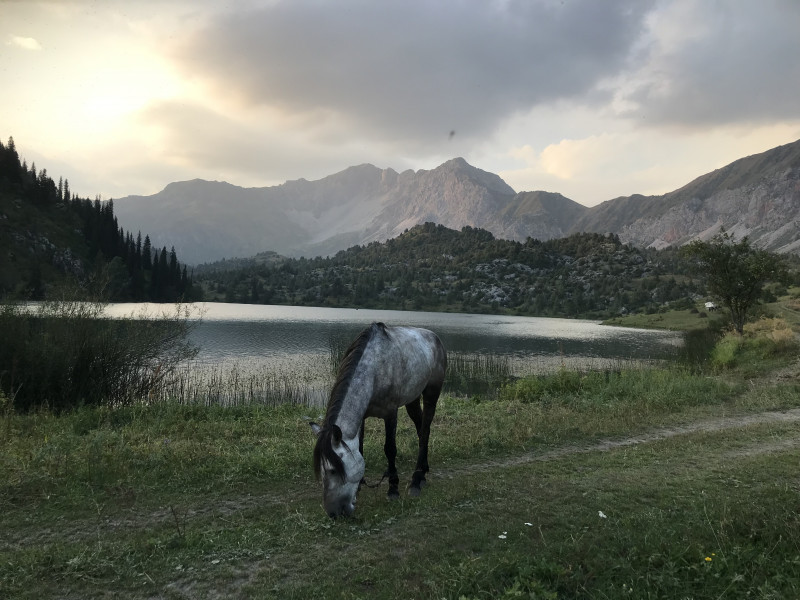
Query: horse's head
point(339, 464)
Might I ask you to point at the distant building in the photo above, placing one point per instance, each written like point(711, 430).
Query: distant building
point(711, 306)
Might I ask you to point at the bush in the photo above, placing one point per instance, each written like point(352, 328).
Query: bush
point(762, 339)
point(64, 354)
point(697, 347)
point(723, 356)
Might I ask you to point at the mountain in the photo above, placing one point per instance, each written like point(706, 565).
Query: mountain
point(207, 221)
point(757, 196)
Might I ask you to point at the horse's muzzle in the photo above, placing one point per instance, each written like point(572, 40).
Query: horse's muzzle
point(345, 509)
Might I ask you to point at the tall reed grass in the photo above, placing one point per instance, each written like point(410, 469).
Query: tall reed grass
point(236, 384)
point(476, 374)
point(66, 353)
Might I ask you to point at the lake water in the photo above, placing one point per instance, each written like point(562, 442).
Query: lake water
point(300, 338)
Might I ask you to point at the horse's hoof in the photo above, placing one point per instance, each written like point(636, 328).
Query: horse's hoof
point(395, 495)
point(414, 492)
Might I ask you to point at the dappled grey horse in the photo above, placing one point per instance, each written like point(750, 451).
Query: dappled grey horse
point(383, 369)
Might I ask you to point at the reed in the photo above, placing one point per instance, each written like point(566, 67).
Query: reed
point(241, 384)
point(64, 354)
point(476, 374)
point(236, 384)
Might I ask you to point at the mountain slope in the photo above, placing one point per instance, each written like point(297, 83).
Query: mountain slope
point(757, 196)
point(211, 220)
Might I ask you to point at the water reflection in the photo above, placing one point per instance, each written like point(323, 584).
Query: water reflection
point(290, 337)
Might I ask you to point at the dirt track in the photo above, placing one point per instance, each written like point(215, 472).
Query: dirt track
point(706, 425)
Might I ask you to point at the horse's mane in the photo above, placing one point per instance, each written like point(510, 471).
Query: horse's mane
point(331, 432)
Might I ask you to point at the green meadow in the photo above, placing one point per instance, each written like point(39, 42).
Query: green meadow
point(678, 481)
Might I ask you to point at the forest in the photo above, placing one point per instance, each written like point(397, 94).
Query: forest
point(431, 267)
point(54, 240)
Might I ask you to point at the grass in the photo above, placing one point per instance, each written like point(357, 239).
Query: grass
point(787, 307)
point(192, 501)
point(673, 320)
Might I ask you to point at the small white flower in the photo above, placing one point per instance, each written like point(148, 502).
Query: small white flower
point(601, 514)
point(215, 561)
point(502, 536)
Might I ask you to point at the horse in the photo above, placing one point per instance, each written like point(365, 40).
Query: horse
point(383, 369)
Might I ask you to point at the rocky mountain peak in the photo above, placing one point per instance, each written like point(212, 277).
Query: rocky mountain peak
point(758, 196)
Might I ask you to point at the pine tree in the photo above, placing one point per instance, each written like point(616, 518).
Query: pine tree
point(147, 254)
point(138, 262)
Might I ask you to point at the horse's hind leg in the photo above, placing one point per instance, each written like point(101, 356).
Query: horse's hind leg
point(430, 396)
point(390, 449)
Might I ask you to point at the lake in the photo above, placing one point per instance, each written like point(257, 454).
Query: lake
point(300, 338)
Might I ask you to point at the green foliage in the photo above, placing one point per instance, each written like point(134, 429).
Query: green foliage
point(724, 353)
point(766, 340)
point(430, 267)
point(736, 272)
point(55, 239)
point(64, 354)
point(636, 389)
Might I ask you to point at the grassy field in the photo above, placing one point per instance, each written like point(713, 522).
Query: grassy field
point(787, 308)
point(659, 483)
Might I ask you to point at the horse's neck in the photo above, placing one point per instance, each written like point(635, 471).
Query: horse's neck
point(355, 403)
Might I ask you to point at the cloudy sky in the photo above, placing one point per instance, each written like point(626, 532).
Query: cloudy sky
point(594, 99)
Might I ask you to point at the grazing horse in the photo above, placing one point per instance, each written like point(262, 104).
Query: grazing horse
point(383, 369)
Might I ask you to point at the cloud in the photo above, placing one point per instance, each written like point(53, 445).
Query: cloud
point(26, 43)
point(411, 72)
point(601, 167)
point(254, 147)
point(713, 63)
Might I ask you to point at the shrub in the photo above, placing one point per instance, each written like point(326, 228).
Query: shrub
point(764, 338)
point(723, 355)
point(63, 354)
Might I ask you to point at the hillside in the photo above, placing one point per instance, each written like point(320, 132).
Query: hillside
point(53, 243)
point(757, 196)
point(431, 267)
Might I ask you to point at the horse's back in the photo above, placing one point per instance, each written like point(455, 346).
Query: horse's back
point(423, 349)
point(406, 361)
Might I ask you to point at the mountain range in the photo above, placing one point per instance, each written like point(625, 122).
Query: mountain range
point(758, 196)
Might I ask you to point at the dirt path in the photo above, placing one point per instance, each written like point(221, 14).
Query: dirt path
point(227, 508)
point(706, 425)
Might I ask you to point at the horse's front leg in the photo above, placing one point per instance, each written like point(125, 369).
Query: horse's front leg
point(390, 449)
point(361, 448)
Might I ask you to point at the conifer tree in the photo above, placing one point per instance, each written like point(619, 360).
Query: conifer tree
point(147, 254)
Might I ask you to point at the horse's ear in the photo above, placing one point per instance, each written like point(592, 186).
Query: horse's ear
point(315, 428)
point(337, 434)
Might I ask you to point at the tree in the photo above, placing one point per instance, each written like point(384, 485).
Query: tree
point(735, 272)
point(147, 254)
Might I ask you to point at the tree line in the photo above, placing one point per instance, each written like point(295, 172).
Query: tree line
point(119, 265)
point(431, 267)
